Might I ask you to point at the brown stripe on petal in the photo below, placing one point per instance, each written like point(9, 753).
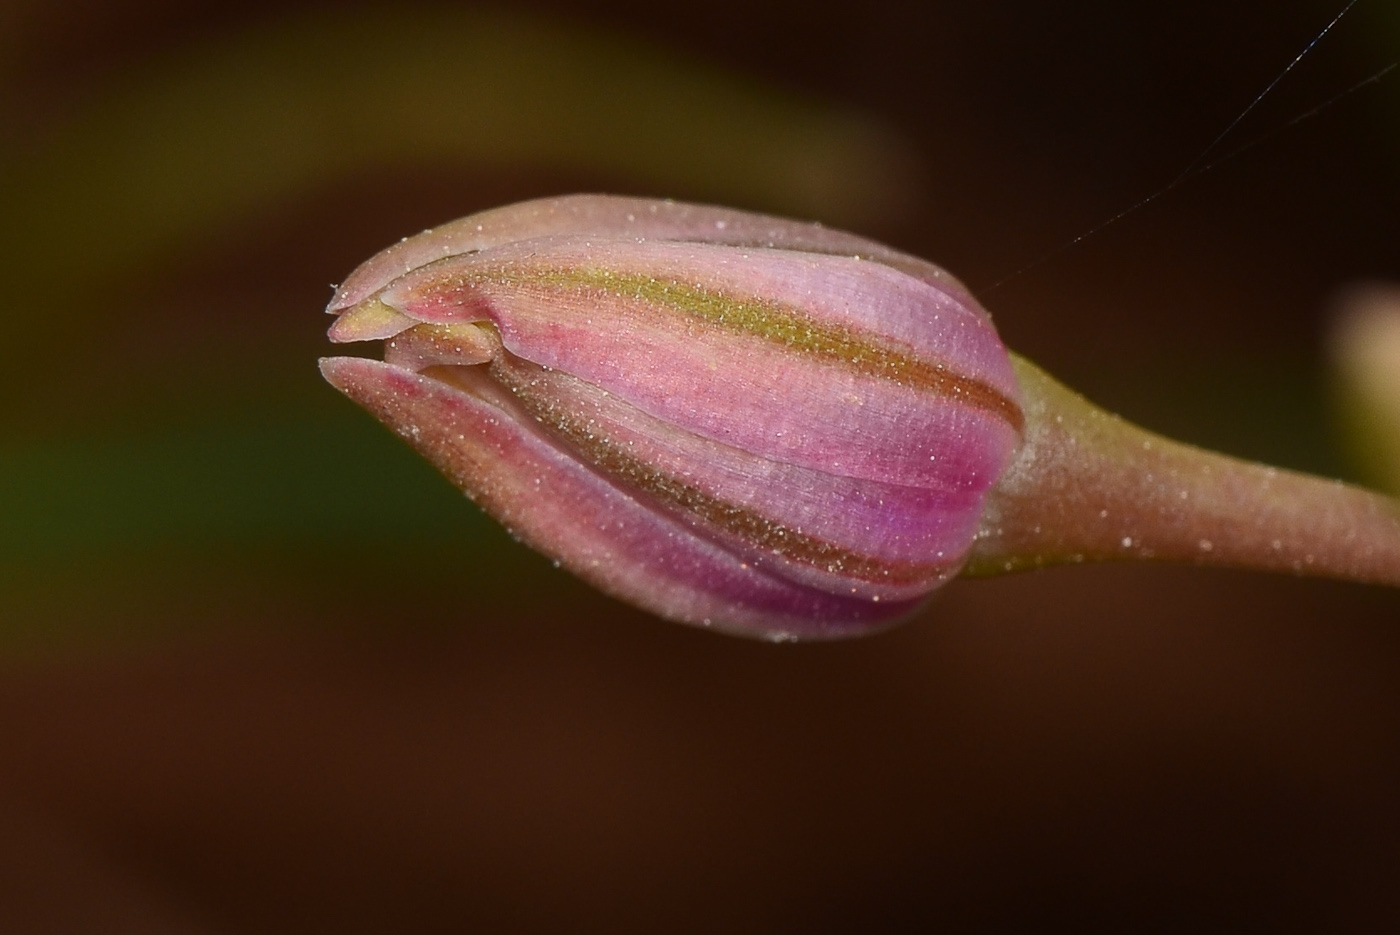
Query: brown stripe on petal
point(760, 532)
point(780, 323)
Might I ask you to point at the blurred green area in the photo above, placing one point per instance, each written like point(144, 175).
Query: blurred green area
point(214, 132)
point(169, 452)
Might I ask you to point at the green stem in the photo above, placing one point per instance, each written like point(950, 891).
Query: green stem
point(1088, 486)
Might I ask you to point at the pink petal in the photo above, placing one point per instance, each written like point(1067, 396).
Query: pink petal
point(630, 218)
point(616, 541)
point(749, 391)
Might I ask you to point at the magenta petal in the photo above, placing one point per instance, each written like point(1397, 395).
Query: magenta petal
point(605, 216)
point(615, 540)
point(860, 536)
point(731, 385)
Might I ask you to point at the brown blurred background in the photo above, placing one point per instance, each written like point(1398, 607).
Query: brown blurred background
point(262, 671)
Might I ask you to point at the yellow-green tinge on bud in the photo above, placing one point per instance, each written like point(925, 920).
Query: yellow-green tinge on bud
point(781, 430)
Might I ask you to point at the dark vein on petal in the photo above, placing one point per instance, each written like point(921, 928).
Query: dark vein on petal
point(859, 351)
point(739, 521)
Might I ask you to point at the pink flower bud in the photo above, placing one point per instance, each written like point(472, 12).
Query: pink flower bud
point(727, 419)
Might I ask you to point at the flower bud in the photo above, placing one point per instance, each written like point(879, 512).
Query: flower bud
point(725, 418)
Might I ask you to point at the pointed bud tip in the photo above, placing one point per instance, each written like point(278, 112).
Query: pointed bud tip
point(369, 320)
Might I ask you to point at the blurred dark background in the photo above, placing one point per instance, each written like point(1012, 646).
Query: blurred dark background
point(262, 671)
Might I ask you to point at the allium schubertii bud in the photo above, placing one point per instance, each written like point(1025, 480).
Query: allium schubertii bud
point(728, 419)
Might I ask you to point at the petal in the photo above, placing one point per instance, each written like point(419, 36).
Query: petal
point(630, 218)
point(901, 534)
point(826, 362)
point(615, 540)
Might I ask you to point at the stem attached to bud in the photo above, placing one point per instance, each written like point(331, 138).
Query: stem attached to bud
point(1088, 486)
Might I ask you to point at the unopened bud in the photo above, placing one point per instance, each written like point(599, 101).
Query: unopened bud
point(725, 418)
point(782, 430)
